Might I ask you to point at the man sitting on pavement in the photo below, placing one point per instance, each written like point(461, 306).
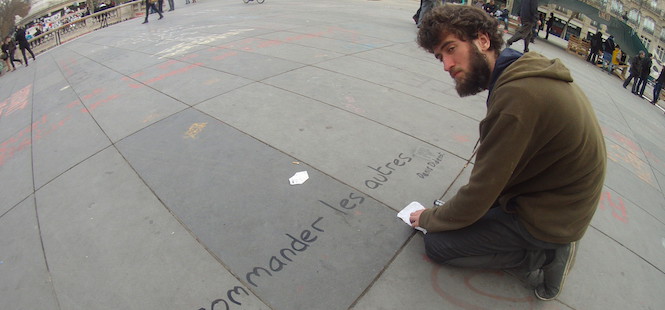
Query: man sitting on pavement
point(540, 165)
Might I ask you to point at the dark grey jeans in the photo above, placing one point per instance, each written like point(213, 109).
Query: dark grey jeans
point(497, 241)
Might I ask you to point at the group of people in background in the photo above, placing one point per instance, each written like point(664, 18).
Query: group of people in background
point(640, 65)
point(640, 68)
point(9, 49)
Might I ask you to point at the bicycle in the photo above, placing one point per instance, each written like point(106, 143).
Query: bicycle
point(259, 1)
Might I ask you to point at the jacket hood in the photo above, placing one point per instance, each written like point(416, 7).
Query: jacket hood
point(530, 65)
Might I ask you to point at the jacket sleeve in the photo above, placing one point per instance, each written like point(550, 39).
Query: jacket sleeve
point(534, 9)
point(498, 155)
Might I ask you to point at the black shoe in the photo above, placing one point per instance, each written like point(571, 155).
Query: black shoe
point(555, 273)
point(145, 22)
point(160, 17)
point(530, 272)
point(526, 50)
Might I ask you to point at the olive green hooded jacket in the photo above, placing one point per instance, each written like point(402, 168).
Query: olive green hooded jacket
point(541, 155)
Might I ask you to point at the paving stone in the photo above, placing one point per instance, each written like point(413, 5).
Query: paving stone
point(123, 106)
point(635, 189)
point(15, 169)
point(63, 133)
point(343, 238)
point(631, 227)
point(25, 280)
point(111, 244)
point(248, 65)
point(403, 112)
point(284, 50)
point(337, 143)
point(174, 78)
point(443, 287)
point(602, 266)
point(318, 40)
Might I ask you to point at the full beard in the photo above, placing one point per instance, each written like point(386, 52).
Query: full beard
point(477, 78)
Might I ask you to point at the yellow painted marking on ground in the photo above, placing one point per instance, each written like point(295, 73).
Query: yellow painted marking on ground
point(195, 130)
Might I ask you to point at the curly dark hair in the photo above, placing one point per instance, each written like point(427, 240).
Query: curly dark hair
point(463, 21)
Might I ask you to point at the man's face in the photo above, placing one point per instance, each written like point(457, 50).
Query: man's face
point(467, 65)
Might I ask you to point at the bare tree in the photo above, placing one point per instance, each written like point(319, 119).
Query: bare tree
point(8, 11)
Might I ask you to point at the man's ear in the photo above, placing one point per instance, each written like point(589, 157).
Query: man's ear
point(483, 42)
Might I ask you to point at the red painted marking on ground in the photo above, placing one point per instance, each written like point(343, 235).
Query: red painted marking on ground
point(618, 207)
point(188, 57)
point(167, 64)
point(459, 302)
point(449, 297)
point(17, 101)
point(172, 73)
point(22, 140)
point(73, 104)
point(93, 94)
point(467, 282)
point(95, 105)
point(270, 43)
point(461, 138)
point(225, 55)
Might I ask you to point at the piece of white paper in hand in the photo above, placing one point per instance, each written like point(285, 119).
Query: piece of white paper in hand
point(406, 212)
point(299, 178)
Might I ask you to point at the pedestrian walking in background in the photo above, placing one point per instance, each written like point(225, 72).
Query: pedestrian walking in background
point(425, 6)
point(9, 48)
point(596, 47)
point(151, 4)
point(660, 81)
point(635, 68)
point(528, 19)
point(550, 23)
point(23, 44)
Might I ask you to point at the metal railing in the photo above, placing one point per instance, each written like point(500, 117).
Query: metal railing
point(87, 24)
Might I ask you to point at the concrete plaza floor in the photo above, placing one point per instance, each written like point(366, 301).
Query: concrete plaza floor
point(147, 167)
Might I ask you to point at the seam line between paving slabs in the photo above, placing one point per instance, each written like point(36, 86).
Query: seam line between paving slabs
point(632, 131)
point(111, 69)
point(403, 246)
point(641, 149)
point(625, 247)
point(636, 204)
point(34, 190)
point(396, 90)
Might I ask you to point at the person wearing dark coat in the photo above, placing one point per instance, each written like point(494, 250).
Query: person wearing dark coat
point(528, 18)
point(635, 69)
point(659, 86)
point(23, 43)
point(608, 48)
point(550, 23)
point(148, 5)
point(9, 48)
point(596, 42)
point(645, 70)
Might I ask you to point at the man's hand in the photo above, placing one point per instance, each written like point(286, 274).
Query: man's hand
point(414, 218)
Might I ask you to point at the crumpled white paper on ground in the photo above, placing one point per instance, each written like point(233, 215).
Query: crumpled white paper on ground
point(299, 178)
point(406, 212)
